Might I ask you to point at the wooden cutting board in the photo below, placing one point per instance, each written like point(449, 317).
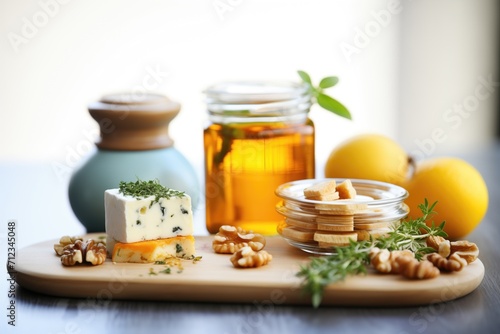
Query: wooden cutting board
point(214, 279)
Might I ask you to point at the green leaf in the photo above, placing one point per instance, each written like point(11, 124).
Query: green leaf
point(305, 77)
point(316, 299)
point(328, 82)
point(330, 104)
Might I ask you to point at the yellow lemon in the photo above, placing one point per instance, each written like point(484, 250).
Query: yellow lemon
point(458, 188)
point(368, 156)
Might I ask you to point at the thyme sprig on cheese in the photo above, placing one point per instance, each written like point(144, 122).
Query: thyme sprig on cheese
point(142, 189)
point(354, 258)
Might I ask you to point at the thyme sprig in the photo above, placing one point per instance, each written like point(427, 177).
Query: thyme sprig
point(411, 234)
point(324, 270)
point(141, 189)
point(354, 258)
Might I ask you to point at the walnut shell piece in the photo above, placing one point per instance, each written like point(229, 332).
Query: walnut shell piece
point(231, 239)
point(246, 257)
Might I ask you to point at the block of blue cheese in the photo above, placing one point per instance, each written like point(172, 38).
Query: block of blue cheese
point(129, 219)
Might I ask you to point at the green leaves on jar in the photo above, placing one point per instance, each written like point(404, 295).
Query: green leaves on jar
point(328, 82)
point(330, 104)
point(325, 101)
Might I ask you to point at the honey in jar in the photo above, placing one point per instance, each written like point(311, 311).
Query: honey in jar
point(259, 137)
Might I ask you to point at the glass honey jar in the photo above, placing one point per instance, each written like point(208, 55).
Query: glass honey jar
point(259, 137)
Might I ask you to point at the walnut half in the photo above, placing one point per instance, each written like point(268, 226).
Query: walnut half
point(73, 253)
point(96, 252)
point(248, 258)
point(231, 239)
point(64, 241)
point(465, 249)
point(453, 263)
point(384, 261)
point(440, 244)
point(413, 269)
point(83, 251)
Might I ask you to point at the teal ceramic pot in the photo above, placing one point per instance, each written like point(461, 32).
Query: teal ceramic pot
point(134, 144)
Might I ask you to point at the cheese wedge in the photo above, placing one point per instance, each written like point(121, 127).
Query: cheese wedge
point(129, 219)
point(153, 250)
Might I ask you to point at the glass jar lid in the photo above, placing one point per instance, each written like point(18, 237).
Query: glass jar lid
point(258, 99)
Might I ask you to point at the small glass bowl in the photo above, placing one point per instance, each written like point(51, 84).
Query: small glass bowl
point(376, 208)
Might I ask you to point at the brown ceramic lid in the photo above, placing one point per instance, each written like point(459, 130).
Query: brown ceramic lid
point(134, 122)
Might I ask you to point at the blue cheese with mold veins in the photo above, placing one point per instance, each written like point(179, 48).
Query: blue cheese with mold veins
point(129, 219)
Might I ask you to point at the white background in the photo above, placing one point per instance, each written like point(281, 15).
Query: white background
point(402, 66)
point(407, 63)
